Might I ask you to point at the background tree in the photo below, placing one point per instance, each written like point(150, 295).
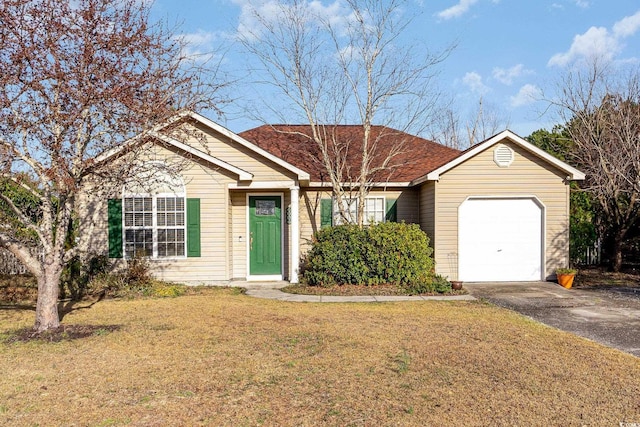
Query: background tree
point(78, 78)
point(583, 234)
point(345, 65)
point(452, 129)
point(600, 106)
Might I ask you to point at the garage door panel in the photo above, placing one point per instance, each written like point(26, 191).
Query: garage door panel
point(500, 240)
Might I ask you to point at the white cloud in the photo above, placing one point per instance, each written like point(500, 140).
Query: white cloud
point(527, 94)
point(473, 80)
point(506, 76)
point(457, 10)
point(271, 11)
point(199, 46)
point(598, 42)
point(627, 26)
point(595, 43)
point(582, 3)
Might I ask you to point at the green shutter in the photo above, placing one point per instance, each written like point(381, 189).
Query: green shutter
point(392, 210)
point(193, 227)
point(114, 209)
point(326, 213)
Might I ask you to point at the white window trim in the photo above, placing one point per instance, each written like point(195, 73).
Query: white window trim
point(384, 210)
point(337, 218)
point(154, 222)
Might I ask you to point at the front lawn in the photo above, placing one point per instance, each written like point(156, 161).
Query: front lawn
point(356, 290)
point(222, 358)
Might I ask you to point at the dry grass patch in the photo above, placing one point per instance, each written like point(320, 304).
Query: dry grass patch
point(228, 359)
point(355, 290)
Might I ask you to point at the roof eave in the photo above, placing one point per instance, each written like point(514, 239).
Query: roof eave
point(242, 174)
point(302, 176)
point(573, 174)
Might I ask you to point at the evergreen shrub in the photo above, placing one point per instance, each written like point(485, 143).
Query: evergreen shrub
point(384, 253)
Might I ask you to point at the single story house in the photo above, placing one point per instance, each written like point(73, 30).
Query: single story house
point(245, 206)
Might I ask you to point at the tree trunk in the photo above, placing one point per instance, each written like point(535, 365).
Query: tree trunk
point(48, 288)
point(616, 259)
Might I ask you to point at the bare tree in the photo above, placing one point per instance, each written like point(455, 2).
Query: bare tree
point(481, 123)
point(347, 67)
point(78, 79)
point(600, 106)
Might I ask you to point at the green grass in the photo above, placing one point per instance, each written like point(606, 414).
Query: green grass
point(222, 358)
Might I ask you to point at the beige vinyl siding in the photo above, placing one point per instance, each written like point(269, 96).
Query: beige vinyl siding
point(212, 265)
point(201, 182)
point(480, 176)
point(427, 210)
point(408, 204)
point(309, 211)
point(225, 149)
point(239, 236)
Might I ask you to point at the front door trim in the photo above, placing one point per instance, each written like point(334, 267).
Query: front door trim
point(265, 277)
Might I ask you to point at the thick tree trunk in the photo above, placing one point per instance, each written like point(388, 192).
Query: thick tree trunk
point(616, 259)
point(47, 305)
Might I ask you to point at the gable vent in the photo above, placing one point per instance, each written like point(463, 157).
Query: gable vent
point(503, 156)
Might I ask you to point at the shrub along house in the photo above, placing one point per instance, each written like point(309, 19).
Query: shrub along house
point(244, 207)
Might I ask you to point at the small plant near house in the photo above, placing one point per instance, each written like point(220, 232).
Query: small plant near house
point(381, 254)
point(439, 284)
point(135, 280)
point(565, 276)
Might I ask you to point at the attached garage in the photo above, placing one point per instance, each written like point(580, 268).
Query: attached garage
point(498, 212)
point(500, 239)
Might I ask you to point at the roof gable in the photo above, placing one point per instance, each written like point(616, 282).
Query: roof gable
point(293, 144)
point(572, 173)
point(301, 174)
point(242, 174)
point(156, 132)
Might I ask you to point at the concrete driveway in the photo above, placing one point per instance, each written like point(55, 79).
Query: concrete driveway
point(608, 316)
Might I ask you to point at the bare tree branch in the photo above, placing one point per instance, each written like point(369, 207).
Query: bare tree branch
point(348, 69)
point(600, 106)
point(78, 82)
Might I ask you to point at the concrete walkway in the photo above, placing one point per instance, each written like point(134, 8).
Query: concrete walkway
point(272, 291)
point(608, 316)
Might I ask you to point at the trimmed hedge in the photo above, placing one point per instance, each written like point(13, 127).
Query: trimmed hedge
point(394, 253)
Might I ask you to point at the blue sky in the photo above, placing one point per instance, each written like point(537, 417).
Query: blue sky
point(509, 52)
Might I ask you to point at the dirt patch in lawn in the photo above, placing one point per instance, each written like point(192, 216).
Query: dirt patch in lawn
point(61, 333)
point(228, 360)
point(599, 277)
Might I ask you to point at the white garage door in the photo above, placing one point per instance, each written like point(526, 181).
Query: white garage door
point(500, 240)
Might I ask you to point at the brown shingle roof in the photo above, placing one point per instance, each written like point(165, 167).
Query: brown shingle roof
point(292, 144)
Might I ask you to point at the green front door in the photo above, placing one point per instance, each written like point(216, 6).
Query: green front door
point(265, 239)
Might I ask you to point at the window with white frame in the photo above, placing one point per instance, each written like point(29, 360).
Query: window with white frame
point(154, 222)
point(154, 226)
point(350, 211)
point(374, 211)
